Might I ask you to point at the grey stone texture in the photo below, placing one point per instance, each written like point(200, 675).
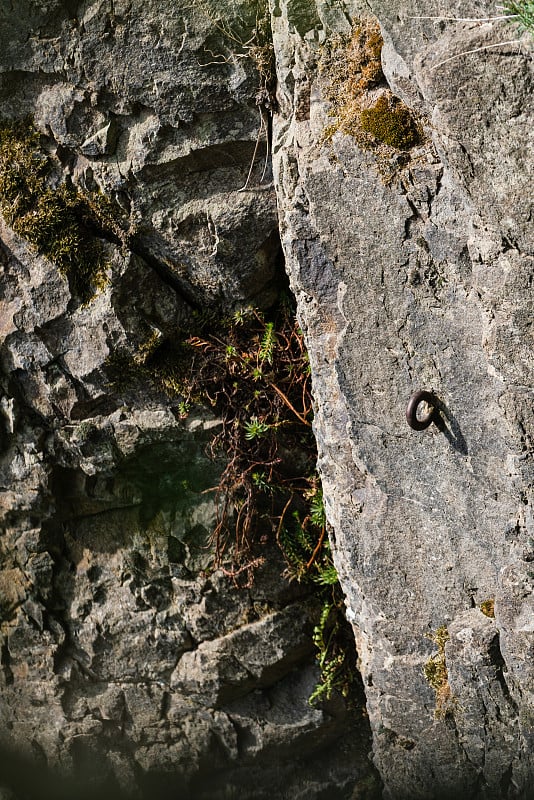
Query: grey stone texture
point(127, 665)
point(423, 280)
point(118, 646)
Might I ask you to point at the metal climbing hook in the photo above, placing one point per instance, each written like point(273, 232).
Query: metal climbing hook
point(421, 421)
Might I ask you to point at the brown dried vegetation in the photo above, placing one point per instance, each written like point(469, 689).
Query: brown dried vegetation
point(436, 674)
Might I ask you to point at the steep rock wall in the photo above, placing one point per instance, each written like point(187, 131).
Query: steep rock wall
point(125, 661)
point(413, 270)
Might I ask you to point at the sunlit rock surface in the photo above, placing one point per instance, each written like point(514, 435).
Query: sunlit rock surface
point(413, 270)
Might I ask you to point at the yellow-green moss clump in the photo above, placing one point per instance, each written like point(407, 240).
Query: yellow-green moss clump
point(391, 122)
point(488, 608)
point(61, 222)
point(360, 101)
point(435, 672)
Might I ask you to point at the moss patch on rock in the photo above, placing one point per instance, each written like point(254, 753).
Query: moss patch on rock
point(488, 608)
point(361, 104)
point(437, 676)
point(391, 122)
point(62, 223)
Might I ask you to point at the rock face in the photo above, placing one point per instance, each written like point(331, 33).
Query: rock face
point(400, 191)
point(413, 270)
point(125, 661)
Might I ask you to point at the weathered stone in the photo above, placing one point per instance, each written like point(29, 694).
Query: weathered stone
point(411, 270)
point(107, 497)
point(255, 656)
point(415, 277)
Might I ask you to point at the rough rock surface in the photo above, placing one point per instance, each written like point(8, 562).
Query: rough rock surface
point(124, 662)
point(423, 280)
point(411, 270)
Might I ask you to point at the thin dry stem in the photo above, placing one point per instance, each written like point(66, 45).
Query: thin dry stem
point(475, 50)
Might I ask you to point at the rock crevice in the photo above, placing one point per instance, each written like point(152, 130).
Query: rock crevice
point(399, 197)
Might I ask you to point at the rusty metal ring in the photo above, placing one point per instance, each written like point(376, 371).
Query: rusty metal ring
point(420, 423)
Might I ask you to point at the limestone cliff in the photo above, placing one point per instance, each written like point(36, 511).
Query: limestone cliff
point(400, 191)
point(409, 246)
point(136, 197)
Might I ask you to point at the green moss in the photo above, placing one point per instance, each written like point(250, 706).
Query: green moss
point(147, 348)
point(59, 221)
point(435, 671)
point(23, 170)
point(351, 69)
point(391, 122)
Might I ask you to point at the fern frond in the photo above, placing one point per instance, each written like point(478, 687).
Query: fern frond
point(317, 512)
point(268, 343)
point(326, 576)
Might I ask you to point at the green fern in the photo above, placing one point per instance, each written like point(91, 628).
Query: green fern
point(317, 512)
point(268, 344)
point(334, 676)
point(319, 632)
point(326, 575)
point(295, 553)
point(303, 537)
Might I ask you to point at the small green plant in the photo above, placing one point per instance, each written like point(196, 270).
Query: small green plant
point(243, 315)
point(332, 662)
point(436, 675)
point(268, 344)
point(261, 482)
point(317, 510)
point(522, 13)
point(326, 576)
point(255, 428)
point(302, 539)
point(183, 409)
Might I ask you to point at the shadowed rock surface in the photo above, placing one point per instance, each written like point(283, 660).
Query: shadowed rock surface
point(400, 190)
